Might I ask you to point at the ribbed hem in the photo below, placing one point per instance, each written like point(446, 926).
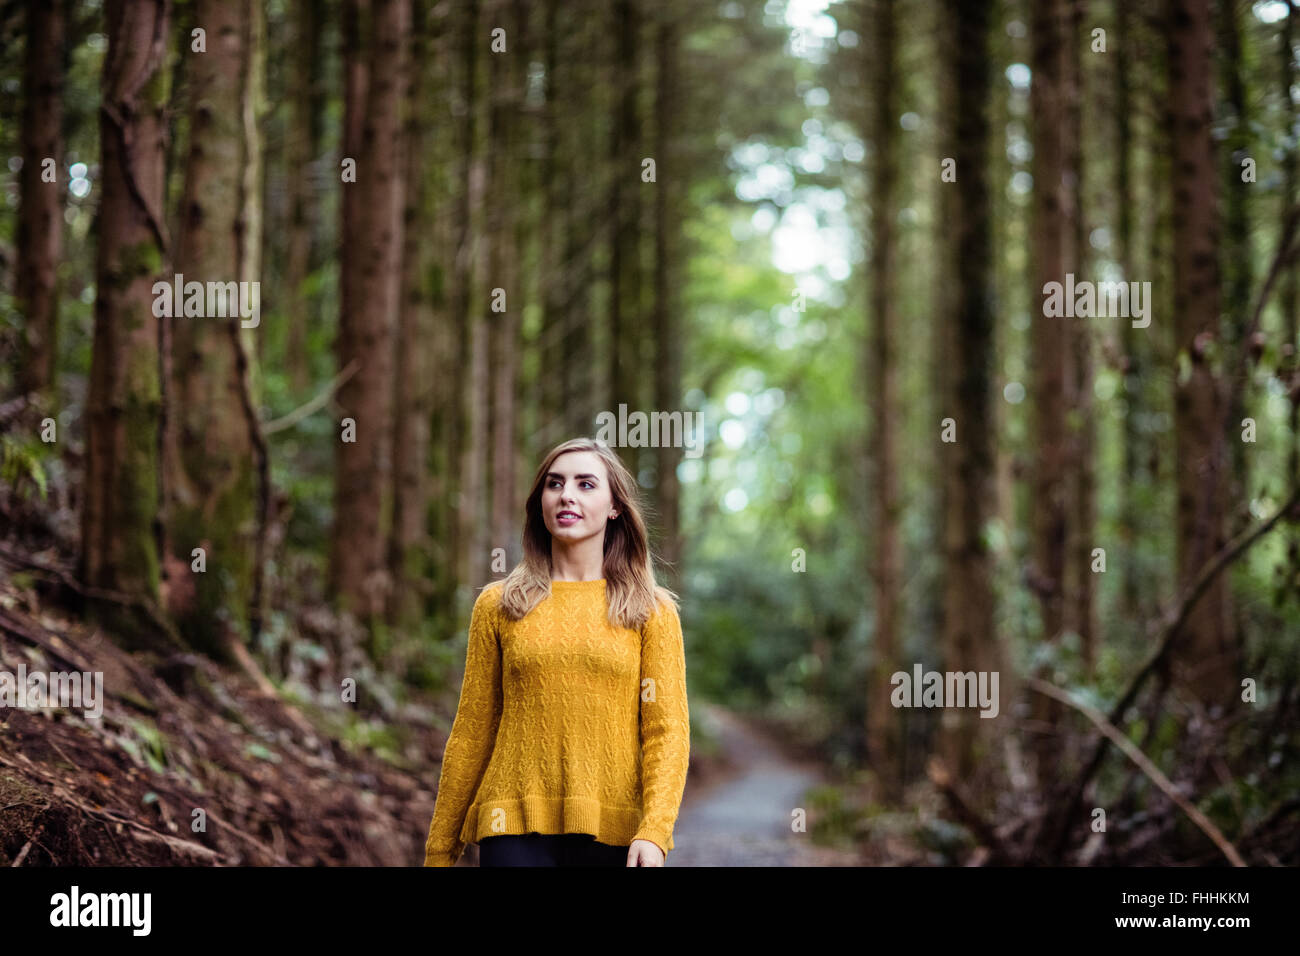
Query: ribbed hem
point(612, 824)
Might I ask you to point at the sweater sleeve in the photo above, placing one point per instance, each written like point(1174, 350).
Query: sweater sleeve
point(473, 734)
point(665, 726)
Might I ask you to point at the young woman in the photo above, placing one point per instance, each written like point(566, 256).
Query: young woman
point(571, 740)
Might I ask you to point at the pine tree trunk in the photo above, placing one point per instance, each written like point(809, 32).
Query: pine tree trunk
point(1207, 646)
point(1082, 473)
point(440, 178)
point(120, 519)
point(969, 642)
point(582, 229)
point(881, 66)
point(1053, 233)
point(1289, 291)
point(552, 265)
point(463, 445)
point(212, 483)
point(624, 214)
point(304, 144)
point(1051, 104)
point(667, 253)
point(40, 216)
point(413, 382)
point(363, 466)
point(504, 198)
point(1132, 361)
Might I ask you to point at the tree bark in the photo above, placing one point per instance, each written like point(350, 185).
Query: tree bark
point(667, 265)
point(625, 320)
point(213, 486)
point(583, 229)
point(1131, 339)
point(881, 65)
point(306, 103)
point(1082, 491)
point(121, 526)
point(969, 642)
point(1208, 651)
point(1053, 217)
point(40, 215)
point(1289, 291)
point(363, 467)
point(1054, 225)
point(505, 268)
point(414, 352)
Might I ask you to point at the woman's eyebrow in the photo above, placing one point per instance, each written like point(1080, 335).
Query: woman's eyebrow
point(556, 474)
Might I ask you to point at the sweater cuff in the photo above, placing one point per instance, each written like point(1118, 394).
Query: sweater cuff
point(657, 839)
point(440, 857)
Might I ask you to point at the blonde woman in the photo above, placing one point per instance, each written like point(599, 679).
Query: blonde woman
point(571, 739)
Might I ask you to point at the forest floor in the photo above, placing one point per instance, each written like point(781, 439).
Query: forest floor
point(190, 763)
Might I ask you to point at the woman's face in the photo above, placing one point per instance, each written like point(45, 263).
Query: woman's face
point(576, 498)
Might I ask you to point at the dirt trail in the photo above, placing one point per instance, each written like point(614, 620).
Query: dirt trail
point(743, 818)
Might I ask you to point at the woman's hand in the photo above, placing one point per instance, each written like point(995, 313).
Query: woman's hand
point(644, 853)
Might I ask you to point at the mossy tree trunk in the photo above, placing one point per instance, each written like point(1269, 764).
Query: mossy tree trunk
point(213, 444)
point(121, 525)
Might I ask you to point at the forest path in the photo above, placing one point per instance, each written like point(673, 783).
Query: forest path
point(743, 817)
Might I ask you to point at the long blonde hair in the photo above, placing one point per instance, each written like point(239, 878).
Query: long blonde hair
point(631, 591)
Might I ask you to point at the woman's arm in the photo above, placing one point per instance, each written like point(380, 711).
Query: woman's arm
point(665, 726)
point(473, 734)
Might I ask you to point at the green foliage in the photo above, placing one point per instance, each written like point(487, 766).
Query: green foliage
point(21, 465)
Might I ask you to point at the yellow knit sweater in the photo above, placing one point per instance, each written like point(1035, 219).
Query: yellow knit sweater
point(566, 724)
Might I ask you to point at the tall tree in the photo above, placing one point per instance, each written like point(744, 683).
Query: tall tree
point(414, 352)
point(1236, 248)
point(1131, 361)
point(551, 264)
point(666, 201)
point(1053, 255)
point(1289, 292)
point(470, 396)
point(358, 566)
point(969, 640)
point(579, 384)
point(1207, 646)
point(1082, 493)
point(880, 63)
point(40, 216)
point(213, 430)
point(1054, 233)
point(306, 113)
point(624, 210)
point(443, 183)
point(475, 497)
point(120, 528)
point(506, 202)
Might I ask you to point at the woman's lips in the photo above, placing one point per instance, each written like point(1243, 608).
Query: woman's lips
point(564, 520)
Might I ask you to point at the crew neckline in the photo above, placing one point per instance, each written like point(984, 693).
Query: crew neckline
point(575, 584)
